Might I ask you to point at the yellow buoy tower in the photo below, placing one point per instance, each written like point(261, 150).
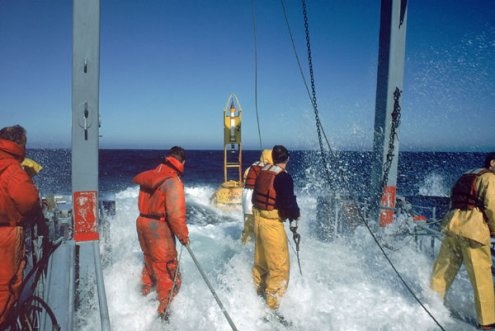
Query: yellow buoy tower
point(229, 194)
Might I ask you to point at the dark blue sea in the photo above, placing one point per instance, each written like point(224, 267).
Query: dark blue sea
point(343, 284)
point(424, 178)
point(419, 173)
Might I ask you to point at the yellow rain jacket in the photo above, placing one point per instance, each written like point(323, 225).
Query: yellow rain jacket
point(31, 167)
point(476, 224)
point(467, 240)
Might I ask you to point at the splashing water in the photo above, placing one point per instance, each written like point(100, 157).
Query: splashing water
point(347, 284)
point(434, 185)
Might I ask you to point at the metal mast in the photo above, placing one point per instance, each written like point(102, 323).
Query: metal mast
point(390, 77)
point(85, 133)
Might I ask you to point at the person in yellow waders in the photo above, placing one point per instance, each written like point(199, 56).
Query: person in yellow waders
point(247, 193)
point(273, 202)
point(468, 226)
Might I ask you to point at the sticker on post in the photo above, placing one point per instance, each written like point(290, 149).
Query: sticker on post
point(388, 205)
point(85, 216)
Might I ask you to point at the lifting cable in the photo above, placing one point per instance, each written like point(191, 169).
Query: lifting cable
point(395, 124)
point(387, 258)
point(396, 116)
point(173, 290)
point(313, 92)
point(311, 95)
point(256, 72)
point(222, 308)
point(302, 74)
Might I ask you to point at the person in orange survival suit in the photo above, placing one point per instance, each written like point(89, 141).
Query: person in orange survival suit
point(273, 202)
point(162, 217)
point(19, 204)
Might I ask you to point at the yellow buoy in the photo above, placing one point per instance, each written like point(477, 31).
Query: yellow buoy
point(230, 191)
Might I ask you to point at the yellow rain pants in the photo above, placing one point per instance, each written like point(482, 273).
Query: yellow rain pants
point(271, 256)
point(477, 259)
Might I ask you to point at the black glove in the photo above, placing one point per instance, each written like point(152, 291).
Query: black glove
point(42, 226)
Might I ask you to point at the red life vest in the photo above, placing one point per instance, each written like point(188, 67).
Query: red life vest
point(253, 172)
point(264, 195)
point(464, 193)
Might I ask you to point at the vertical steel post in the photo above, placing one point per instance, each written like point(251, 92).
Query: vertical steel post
point(390, 77)
point(85, 133)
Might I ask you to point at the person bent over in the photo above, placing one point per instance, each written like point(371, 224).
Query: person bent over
point(162, 218)
point(468, 226)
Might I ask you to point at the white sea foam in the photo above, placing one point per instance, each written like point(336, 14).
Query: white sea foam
point(346, 284)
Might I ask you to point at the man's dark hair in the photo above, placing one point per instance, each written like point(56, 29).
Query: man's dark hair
point(177, 152)
point(280, 154)
point(15, 133)
point(489, 157)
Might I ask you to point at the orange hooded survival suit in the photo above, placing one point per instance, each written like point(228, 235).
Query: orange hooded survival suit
point(19, 203)
point(162, 209)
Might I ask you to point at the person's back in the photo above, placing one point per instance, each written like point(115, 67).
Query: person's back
point(19, 204)
point(472, 213)
point(250, 176)
point(162, 218)
point(273, 202)
point(468, 226)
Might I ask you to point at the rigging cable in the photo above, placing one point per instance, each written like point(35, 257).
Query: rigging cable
point(256, 73)
point(396, 121)
point(224, 311)
point(387, 258)
point(303, 76)
point(173, 290)
point(344, 178)
point(312, 100)
point(313, 92)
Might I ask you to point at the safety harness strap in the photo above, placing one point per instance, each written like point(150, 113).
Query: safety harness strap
point(155, 217)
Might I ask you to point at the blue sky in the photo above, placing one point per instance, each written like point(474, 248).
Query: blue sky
point(167, 68)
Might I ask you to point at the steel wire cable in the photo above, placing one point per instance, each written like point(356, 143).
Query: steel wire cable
point(342, 176)
point(256, 73)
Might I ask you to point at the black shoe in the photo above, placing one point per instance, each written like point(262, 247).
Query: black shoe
point(164, 317)
point(276, 316)
point(487, 327)
point(260, 291)
point(281, 319)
